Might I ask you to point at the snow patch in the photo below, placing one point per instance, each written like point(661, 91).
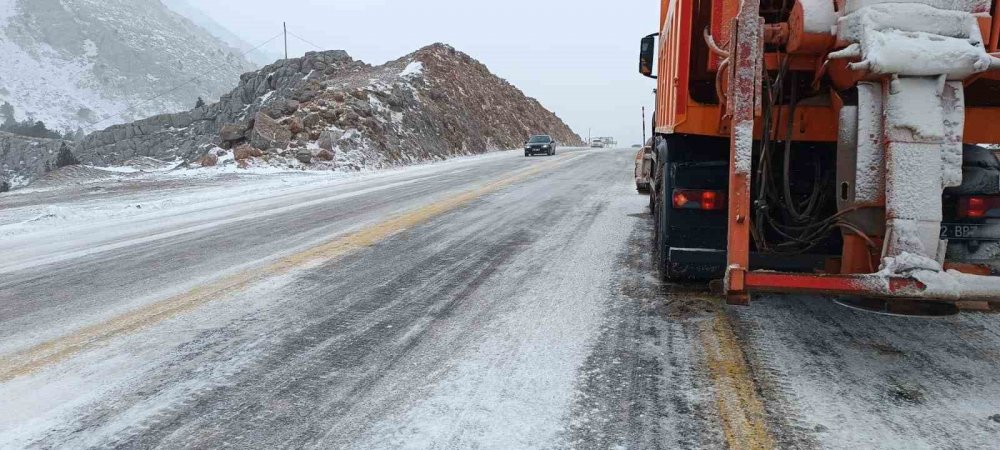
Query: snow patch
point(414, 69)
point(743, 133)
point(915, 39)
point(89, 48)
point(820, 16)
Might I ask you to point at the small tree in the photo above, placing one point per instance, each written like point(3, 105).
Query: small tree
point(39, 130)
point(7, 112)
point(200, 103)
point(66, 157)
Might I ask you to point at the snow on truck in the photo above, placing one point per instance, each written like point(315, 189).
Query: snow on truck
point(828, 146)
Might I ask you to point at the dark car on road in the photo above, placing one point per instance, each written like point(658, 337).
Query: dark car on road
point(541, 144)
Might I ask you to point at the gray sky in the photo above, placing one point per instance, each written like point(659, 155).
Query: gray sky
point(577, 57)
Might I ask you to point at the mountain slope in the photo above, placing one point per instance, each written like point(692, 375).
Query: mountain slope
point(261, 56)
point(91, 63)
point(326, 110)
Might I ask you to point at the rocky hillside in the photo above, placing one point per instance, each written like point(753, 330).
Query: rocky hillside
point(23, 158)
point(328, 110)
point(91, 63)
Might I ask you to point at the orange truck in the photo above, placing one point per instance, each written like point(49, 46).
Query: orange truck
point(836, 147)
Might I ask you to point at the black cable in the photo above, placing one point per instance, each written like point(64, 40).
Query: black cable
point(307, 42)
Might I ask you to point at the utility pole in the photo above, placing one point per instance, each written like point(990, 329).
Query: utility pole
point(588, 137)
point(285, 26)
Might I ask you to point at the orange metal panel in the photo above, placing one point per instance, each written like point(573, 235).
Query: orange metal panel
point(675, 51)
point(812, 123)
point(981, 126)
point(819, 123)
point(723, 12)
point(994, 31)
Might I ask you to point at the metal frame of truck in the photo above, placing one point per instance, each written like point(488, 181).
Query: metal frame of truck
point(723, 47)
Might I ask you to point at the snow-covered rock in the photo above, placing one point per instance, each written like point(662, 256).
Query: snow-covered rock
point(23, 159)
point(434, 103)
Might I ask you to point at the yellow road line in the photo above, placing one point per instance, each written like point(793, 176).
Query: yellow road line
point(741, 409)
point(49, 353)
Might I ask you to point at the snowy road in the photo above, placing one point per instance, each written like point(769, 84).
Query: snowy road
point(494, 302)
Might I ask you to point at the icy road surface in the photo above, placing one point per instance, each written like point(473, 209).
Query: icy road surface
point(490, 302)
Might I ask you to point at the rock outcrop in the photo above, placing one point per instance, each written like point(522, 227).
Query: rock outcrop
point(23, 158)
point(327, 109)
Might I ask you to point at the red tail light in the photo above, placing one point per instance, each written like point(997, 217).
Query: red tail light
point(699, 199)
point(978, 206)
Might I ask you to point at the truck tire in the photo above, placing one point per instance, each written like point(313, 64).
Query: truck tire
point(660, 245)
point(688, 162)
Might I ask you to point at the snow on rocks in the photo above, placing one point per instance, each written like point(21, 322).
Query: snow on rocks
point(25, 158)
point(434, 103)
point(413, 69)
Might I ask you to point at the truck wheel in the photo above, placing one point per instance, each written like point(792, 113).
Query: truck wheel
point(660, 248)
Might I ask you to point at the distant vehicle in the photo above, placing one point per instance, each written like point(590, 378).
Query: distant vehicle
point(603, 142)
point(636, 146)
point(541, 144)
point(644, 168)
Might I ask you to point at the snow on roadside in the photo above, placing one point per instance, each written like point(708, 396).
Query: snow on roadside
point(193, 190)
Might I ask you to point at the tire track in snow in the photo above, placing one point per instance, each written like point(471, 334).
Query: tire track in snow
point(52, 352)
point(644, 384)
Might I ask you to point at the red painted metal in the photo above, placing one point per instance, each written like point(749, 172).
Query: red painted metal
point(745, 55)
point(867, 286)
point(830, 284)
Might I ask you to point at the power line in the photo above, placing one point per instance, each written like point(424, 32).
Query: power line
point(175, 88)
point(307, 42)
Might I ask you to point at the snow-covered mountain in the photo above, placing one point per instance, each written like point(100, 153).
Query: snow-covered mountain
point(260, 56)
point(94, 63)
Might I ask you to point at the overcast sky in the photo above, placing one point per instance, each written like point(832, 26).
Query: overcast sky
point(577, 57)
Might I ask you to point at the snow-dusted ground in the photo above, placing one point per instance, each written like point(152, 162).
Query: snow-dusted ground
point(843, 378)
point(483, 312)
point(105, 196)
point(527, 315)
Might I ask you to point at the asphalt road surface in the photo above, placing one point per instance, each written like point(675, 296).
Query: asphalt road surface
point(497, 302)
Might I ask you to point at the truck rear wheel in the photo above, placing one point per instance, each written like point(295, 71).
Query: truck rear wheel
point(689, 243)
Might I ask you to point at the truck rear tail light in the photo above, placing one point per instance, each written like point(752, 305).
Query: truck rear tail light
point(699, 199)
point(978, 206)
